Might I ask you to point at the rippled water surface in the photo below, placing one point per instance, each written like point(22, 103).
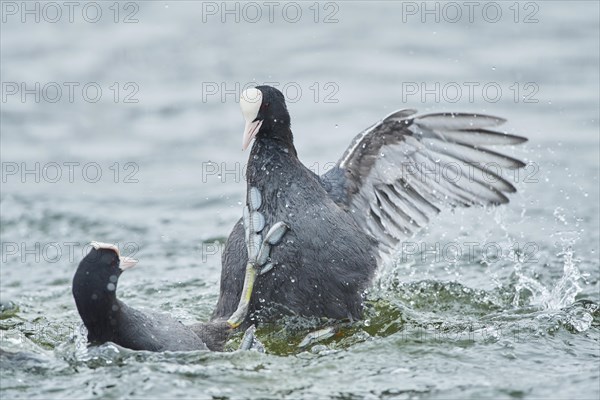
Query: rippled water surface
point(498, 303)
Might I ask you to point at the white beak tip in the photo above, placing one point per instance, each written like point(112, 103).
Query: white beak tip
point(127, 262)
point(250, 131)
point(250, 103)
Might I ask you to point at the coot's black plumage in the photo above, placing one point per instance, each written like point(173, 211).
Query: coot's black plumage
point(381, 191)
point(108, 319)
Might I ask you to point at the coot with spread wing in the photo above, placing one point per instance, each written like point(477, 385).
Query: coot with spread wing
point(391, 180)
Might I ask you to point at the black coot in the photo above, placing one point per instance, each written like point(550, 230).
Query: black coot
point(108, 319)
point(390, 181)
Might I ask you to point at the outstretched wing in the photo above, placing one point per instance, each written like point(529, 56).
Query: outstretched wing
point(404, 169)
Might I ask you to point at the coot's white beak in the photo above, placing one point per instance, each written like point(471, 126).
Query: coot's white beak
point(127, 262)
point(250, 131)
point(124, 262)
point(250, 102)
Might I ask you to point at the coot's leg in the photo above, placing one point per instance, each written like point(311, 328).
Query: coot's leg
point(250, 342)
point(258, 264)
point(318, 336)
point(259, 249)
point(240, 313)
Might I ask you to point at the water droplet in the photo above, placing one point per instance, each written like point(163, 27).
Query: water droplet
point(583, 323)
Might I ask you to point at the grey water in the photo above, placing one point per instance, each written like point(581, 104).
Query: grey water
point(133, 136)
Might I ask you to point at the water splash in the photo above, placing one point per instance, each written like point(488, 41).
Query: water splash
point(563, 293)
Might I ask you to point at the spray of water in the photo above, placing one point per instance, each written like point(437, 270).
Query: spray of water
point(564, 291)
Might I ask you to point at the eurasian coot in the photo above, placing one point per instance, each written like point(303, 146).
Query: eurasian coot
point(390, 181)
point(108, 319)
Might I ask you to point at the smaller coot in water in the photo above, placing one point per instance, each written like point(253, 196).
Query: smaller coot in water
point(108, 319)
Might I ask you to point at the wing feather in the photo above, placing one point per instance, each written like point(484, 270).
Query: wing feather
point(403, 170)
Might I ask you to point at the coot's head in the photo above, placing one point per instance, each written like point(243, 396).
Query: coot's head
point(95, 287)
point(99, 271)
point(266, 115)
